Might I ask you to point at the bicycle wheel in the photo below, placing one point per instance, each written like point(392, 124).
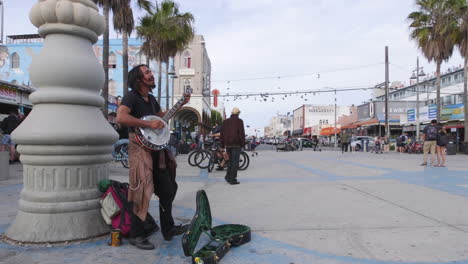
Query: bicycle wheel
point(202, 159)
point(211, 164)
point(191, 157)
point(124, 156)
point(244, 161)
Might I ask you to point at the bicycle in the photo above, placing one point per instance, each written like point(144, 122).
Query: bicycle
point(217, 157)
point(120, 152)
point(197, 156)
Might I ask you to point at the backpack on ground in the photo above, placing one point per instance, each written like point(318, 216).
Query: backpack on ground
point(121, 220)
point(431, 133)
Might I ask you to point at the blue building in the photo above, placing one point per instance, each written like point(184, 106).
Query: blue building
point(17, 54)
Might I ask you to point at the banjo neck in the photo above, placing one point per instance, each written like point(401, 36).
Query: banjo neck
point(173, 110)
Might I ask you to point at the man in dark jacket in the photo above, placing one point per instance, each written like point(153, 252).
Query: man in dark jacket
point(233, 139)
point(9, 124)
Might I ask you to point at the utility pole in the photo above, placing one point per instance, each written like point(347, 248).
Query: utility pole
point(334, 130)
point(387, 125)
point(416, 76)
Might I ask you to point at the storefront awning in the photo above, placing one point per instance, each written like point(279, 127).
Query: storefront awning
point(329, 131)
point(307, 131)
point(297, 132)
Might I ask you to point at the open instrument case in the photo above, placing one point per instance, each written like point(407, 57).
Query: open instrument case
point(222, 237)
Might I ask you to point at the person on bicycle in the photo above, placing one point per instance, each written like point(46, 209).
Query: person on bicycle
point(233, 138)
point(221, 153)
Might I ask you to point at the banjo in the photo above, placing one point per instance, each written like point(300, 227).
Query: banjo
point(158, 139)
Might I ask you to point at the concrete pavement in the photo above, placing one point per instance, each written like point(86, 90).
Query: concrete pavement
point(303, 207)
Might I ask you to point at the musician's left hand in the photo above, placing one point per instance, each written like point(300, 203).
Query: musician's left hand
point(187, 99)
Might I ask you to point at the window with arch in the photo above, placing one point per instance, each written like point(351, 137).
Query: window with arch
point(112, 61)
point(15, 61)
point(187, 84)
point(187, 59)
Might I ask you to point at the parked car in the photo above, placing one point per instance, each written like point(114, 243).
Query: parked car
point(306, 143)
point(358, 142)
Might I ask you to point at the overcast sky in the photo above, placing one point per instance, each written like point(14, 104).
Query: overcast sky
point(342, 41)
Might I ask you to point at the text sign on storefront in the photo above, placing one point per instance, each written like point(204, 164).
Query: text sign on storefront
point(411, 115)
point(7, 93)
point(452, 112)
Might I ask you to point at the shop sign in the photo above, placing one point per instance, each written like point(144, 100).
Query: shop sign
point(411, 115)
point(432, 112)
point(7, 93)
point(187, 71)
point(452, 112)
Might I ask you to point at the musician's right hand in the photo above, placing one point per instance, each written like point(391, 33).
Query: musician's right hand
point(156, 124)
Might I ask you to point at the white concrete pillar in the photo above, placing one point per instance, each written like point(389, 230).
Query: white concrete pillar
point(4, 165)
point(65, 143)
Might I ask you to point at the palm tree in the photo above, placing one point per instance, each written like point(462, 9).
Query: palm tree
point(165, 31)
point(181, 26)
point(106, 6)
point(434, 28)
point(124, 24)
point(463, 46)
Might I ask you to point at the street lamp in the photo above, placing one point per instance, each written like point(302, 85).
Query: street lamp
point(172, 75)
point(416, 73)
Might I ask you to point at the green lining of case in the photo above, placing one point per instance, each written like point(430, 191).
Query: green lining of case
point(222, 235)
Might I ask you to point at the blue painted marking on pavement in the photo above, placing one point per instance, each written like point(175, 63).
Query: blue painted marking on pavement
point(203, 173)
point(355, 164)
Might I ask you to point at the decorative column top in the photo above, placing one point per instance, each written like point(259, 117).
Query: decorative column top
point(76, 17)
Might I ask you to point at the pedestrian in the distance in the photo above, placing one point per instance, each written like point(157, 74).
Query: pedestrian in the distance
point(233, 138)
point(430, 142)
point(344, 142)
point(442, 141)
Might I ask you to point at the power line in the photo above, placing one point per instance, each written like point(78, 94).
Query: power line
point(297, 75)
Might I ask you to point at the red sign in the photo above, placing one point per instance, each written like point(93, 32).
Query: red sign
point(7, 93)
point(215, 93)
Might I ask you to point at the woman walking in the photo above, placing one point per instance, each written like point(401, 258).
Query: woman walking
point(442, 141)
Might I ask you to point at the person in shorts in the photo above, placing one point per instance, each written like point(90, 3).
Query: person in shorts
point(430, 142)
point(442, 141)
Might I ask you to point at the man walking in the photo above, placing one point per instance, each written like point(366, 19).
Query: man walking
point(9, 124)
point(150, 172)
point(430, 139)
point(233, 138)
point(344, 142)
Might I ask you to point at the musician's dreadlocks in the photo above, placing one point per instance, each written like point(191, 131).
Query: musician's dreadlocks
point(134, 76)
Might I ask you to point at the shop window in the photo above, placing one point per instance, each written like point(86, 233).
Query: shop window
point(187, 84)
point(187, 59)
point(112, 61)
point(15, 61)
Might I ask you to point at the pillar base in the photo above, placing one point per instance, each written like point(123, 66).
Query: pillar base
point(56, 228)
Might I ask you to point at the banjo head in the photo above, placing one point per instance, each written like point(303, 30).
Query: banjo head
point(154, 139)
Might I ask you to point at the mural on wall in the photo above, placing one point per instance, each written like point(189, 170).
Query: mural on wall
point(15, 60)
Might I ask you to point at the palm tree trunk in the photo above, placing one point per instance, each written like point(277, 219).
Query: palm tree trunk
point(105, 61)
point(167, 86)
point(438, 91)
point(125, 61)
point(159, 80)
point(465, 102)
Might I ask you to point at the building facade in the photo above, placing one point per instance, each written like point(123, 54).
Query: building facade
point(193, 70)
point(310, 120)
point(279, 126)
point(16, 56)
